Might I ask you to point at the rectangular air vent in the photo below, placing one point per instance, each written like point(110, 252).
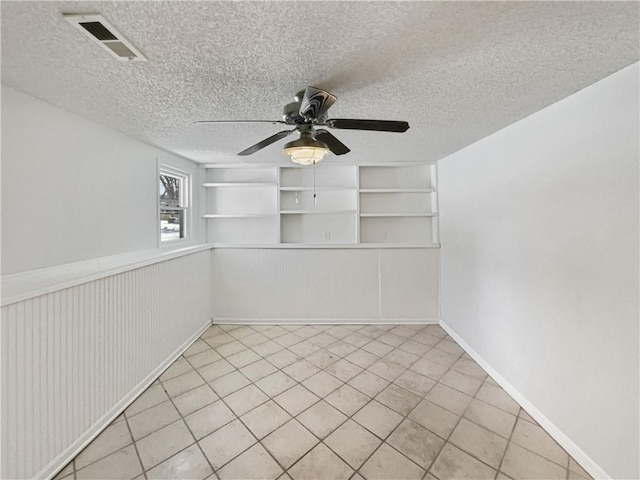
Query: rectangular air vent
point(102, 32)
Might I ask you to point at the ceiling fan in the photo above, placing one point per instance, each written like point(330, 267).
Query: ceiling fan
point(307, 114)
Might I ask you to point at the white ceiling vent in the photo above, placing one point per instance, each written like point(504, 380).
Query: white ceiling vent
point(102, 32)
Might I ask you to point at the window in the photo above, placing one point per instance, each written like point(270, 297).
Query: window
point(174, 196)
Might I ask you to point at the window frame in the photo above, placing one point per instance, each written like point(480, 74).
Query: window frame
point(185, 204)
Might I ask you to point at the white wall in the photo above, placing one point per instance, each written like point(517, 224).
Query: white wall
point(72, 189)
point(539, 230)
point(325, 284)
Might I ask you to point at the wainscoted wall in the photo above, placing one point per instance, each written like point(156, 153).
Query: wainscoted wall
point(72, 359)
point(325, 284)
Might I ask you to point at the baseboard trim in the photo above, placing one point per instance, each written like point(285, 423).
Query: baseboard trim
point(325, 321)
point(58, 463)
point(584, 460)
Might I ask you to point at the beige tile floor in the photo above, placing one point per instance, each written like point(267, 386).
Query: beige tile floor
point(324, 402)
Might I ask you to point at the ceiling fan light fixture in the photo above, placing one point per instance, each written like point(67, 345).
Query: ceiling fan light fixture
point(306, 150)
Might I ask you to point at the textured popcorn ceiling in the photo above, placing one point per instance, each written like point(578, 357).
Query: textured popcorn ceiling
point(456, 71)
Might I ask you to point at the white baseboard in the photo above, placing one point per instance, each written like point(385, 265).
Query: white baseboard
point(76, 447)
point(324, 321)
point(586, 462)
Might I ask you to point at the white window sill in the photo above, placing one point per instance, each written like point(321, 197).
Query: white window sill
point(25, 285)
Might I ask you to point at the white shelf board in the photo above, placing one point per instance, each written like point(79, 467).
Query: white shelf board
point(238, 215)
point(327, 245)
point(398, 245)
point(239, 184)
point(306, 212)
point(317, 189)
point(397, 190)
point(397, 214)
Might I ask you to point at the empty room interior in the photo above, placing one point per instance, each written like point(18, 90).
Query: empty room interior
point(320, 240)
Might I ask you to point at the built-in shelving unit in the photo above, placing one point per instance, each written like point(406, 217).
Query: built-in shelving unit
point(240, 204)
point(398, 204)
point(318, 206)
point(289, 206)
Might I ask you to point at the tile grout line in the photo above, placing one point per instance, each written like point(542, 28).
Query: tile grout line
point(371, 399)
point(509, 439)
point(181, 417)
point(475, 397)
point(75, 470)
point(337, 340)
point(378, 358)
point(135, 447)
point(258, 441)
point(315, 403)
point(460, 416)
point(446, 440)
point(416, 406)
point(321, 399)
point(184, 421)
point(513, 429)
point(405, 417)
point(192, 368)
point(345, 383)
point(371, 337)
point(234, 413)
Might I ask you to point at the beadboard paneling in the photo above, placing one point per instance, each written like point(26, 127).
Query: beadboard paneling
point(324, 284)
point(71, 357)
point(409, 283)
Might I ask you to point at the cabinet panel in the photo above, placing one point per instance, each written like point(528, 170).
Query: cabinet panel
point(399, 230)
point(409, 282)
point(318, 228)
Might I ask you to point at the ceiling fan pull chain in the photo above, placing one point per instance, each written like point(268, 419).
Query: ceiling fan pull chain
point(314, 183)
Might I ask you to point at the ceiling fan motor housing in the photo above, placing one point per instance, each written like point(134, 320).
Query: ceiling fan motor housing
point(310, 107)
point(290, 113)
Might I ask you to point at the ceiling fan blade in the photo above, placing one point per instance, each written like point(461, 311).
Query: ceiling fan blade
point(315, 103)
point(274, 122)
point(378, 125)
point(266, 142)
point(335, 145)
